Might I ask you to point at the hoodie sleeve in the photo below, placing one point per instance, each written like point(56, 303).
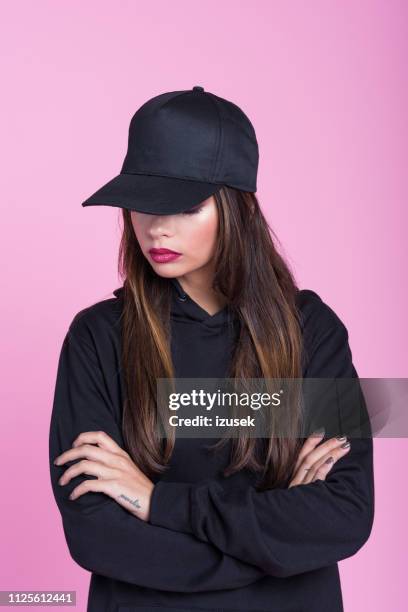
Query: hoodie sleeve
point(290, 530)
point(102, 536)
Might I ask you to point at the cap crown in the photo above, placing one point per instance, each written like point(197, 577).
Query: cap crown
point(193, 135)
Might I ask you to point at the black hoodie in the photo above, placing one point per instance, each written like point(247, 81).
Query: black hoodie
point(211, 543)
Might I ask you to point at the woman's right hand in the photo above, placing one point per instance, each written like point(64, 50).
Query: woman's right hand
point(315, 461)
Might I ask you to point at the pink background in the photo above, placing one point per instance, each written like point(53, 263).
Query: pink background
point(323, 83)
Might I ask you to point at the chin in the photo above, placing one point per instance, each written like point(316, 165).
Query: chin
point(166, 270)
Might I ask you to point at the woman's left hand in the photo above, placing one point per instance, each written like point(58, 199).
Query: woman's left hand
point(117, 475)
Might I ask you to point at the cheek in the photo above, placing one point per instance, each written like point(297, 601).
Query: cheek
point(201, 236)
point(139, 227)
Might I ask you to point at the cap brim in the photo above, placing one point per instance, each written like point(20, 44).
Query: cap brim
point(156, 195)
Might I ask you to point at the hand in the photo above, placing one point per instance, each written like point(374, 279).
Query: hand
point(314, 462)
point(117, 475)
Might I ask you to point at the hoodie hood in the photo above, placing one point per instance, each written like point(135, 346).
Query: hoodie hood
point(202, 344)
point(186, 310)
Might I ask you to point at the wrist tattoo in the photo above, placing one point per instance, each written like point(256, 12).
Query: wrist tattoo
point(134, 503)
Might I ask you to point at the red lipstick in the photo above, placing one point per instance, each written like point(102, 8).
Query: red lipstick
point(163, 255)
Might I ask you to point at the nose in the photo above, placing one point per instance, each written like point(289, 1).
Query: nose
point(161, 225)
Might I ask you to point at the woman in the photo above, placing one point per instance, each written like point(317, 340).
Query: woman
point(180, 524)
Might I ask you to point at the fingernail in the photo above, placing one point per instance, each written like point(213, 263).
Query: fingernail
point(319, 432)
point(345, 445)
point(341, 438)
point(329, 460)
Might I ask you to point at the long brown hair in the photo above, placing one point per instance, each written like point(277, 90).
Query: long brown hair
point(261, 291)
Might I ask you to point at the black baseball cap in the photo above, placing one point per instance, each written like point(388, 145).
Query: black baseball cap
point(183, 146)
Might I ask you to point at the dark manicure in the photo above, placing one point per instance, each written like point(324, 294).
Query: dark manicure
point(341, 438)
point(345, 445)
point(329, 460)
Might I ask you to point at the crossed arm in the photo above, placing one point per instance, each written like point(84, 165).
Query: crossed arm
point(205, 536)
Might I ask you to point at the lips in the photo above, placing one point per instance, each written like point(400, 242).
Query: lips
point(163, 252)
point(163, 255)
